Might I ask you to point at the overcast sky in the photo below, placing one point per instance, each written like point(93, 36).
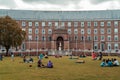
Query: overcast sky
point(60, 4)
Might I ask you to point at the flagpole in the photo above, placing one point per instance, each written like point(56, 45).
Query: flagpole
point(37, 44)
point(76, 44)
point(84, 44)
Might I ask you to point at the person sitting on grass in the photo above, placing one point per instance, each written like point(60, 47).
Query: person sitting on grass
point(110, 64)
point(94, 56)
point(49, 64)
point(31, 59)
point(103, 64)
point(116, 62)
point(39, 63)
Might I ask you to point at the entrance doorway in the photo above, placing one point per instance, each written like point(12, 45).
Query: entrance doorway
point(60, 44)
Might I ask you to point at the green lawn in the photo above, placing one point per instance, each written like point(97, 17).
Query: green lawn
point(64, 69)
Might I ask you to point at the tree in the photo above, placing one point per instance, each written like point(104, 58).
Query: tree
point(11, 35)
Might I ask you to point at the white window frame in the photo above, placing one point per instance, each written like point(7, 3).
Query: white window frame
point(69, 24)
point(95, 31)
point(43, 31)
point(30, 31)
point(89, 31)
point(75, 24)
point(82, 31)
point(88, 24)
point(95, 24)
point(109, 23)
point(109, 38)
point(36, 24)
point(49, 31)
point(69, 31)
point(102, 31)
point(30, 24)
point(109, 29)
point(102, 24)
point(115, 23)
point(23, 23)
point(82, 24)
point(29, 37)
point(116, 38)
point(116, 31)
point(36, 31)
point(43, 24)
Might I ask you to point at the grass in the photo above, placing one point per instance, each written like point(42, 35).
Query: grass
point(64, 69)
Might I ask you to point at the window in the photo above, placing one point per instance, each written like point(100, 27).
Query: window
point(89, 31)
point(29, 37)
point(116, 37)
point(95, 31)
point(82, 31)
point(108, 31)
point(23, 46)
point(36, 37)
point(95, 24)
point(36, 24)
point(101, 24)
point(95, 46)
point(36, 31)
point(102, 31)
point(49, 23)
point(62, 24)
point(56, 24)
point(69, 31)
point(43, 38)
point(23, 24)
point(95, 38)
point(102, 38)
point(30, 31)
point(69, 24)
point(49, 31)
point(109, 37)
point(75, 37)
point(109, 23)
point(115, 23)
point(43, 31)
point(49, 38)
point(82, 24)
point(115, 31)
point(116, 47)
point(23, 29)
point(82, 38)
point(88, 24)
point(30, 24)
point(109, 47)
point(75, 31)
point(75, 24)
point(89, 38)
point(43, 24)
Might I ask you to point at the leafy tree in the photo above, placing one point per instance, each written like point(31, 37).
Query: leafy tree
point(11, 35)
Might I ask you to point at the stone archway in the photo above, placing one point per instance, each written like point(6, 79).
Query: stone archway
point(60, 43)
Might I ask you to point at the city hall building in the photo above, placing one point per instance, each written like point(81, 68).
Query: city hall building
point(68, 31)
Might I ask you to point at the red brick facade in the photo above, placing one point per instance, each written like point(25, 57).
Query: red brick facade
point(68, 40)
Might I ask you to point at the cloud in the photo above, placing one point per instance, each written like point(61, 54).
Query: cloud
point(101, 1)
point(54, 2)
point(8, 3)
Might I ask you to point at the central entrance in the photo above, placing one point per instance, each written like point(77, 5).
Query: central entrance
point(60, 43)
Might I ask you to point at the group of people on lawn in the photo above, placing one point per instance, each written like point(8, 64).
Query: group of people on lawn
point(105, 62)
point(39, 63)
point(109, 62)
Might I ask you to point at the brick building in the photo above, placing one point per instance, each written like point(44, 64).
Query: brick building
point(68, 31)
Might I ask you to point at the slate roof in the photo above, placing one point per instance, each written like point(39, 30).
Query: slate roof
point(61, 15)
